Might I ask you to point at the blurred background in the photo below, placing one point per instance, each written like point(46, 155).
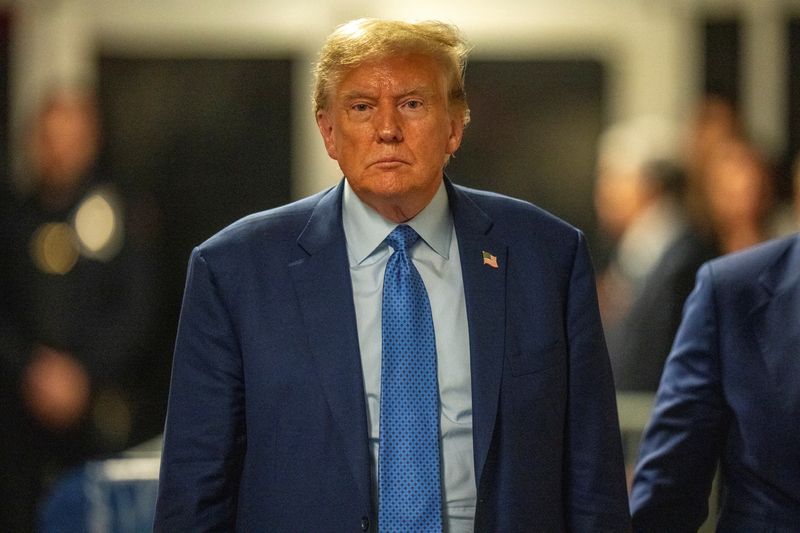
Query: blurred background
point(130, 131)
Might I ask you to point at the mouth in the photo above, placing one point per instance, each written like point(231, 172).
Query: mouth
point(388, 163)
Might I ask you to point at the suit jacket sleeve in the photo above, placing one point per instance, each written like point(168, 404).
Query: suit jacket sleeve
point(596, 493)
point(683, 442)
point(204, 438)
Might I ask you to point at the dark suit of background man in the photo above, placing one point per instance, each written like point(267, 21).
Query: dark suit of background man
point(273, 419)
point(730, 393)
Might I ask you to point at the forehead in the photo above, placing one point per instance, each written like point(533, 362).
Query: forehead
point(404, 73)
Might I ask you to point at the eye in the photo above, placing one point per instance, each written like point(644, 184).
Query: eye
point(360, 107)
point(413, 104)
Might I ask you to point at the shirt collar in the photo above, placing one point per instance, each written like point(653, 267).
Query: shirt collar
point(365, 229)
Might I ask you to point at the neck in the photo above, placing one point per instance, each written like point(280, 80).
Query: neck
point(56, 197)
point(396, 213)
point(399, 210)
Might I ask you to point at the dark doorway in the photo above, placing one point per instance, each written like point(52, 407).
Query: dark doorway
point(721, 58)
point(533, 133)
point(205, 142)
point(209, 138)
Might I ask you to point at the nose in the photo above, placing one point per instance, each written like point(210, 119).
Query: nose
point(388, 124)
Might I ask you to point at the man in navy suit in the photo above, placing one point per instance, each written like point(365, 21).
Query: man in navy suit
point(273, 420)
point(730, 394)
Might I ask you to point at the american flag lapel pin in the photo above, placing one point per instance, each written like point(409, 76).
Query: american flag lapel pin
point(489, 259)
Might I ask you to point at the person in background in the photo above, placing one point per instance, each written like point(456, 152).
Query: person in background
point(396, 353)
point(728, 205)
point(640, 199)
point(729, 396)
point(639, 207)
point(79, 300)
point(730, 186)
point(738, 192)
point(714, 119)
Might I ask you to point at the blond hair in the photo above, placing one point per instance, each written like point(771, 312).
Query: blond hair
point(365, 39)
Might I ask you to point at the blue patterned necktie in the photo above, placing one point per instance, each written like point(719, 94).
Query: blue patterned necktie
point(410, 494)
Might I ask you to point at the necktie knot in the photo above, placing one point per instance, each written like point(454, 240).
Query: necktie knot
point(402, 238)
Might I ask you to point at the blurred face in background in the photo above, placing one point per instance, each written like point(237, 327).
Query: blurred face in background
point(737, 185)
point(389, 126)
point(620, 195)
point(65, 141)
point(716, 120)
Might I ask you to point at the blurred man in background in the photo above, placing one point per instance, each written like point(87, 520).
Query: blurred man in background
point(79, 304)
point(639, 197)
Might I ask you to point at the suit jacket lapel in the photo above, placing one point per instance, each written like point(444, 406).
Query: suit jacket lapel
point(322, 284)
point(484, 292)
point(775, 322)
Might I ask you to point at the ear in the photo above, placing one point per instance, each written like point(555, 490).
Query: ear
point(456, 134)
point(325, 125)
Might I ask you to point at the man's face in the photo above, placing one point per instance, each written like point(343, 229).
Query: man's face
point(389, 127)
point(66, 143)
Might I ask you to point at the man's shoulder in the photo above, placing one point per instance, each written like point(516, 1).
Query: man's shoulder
point(515, 216)
point(747, 264)
point(741, 275)
point(271, 226)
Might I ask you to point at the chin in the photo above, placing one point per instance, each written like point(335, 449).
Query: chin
point(385, 186)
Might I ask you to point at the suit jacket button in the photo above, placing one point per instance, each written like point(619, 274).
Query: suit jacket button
point(364, 523)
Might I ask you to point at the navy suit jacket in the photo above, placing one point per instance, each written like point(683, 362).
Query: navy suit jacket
point(730, 392)
point(267, 426)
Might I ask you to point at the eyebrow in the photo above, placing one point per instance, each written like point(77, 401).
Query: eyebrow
point(356, 95)
point(422, 90)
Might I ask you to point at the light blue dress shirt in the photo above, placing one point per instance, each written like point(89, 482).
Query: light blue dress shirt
point(437, 260)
